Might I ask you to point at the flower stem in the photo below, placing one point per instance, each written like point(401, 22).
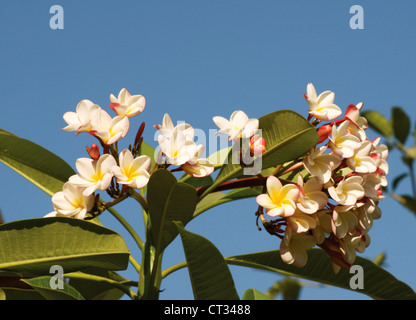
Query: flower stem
point(139, 198)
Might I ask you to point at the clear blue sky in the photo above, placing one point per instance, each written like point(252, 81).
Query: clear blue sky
point(196, 60)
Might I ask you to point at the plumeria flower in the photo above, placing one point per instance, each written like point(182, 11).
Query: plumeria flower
point(126, 104)
point(348, 191)
point(343, 143)
point(71, 202)
point(280, 200)
point(80, 121)
point(133, 172)
point(358, 124)
point(257, 145)
point(108, 129)
point(323, 226)
point(320, 164)
point(294, 246)
point(94, 174)
point(366, 213)
point(239, 125)
point(344, 220)
point(380, 154)
point(350, 244)
point(361, 161)
point(311, 197)
point(301, 222)
point(321, 107)
point(198, 167)
point(167, 127)
point(176, 148)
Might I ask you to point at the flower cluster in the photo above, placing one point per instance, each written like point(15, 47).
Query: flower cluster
point(117, 172)
point(335, 199)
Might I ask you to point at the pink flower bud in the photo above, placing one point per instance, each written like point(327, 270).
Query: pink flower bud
point(94, 152)
point(324, 132)
point(257, 145)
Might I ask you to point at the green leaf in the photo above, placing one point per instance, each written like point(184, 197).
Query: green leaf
point(197, 182)
point(401, 124)
point(40, 166)
point(210, 277)
point(168, 200)
point(253, 294)
point(378, 122)
point(43, 286)
point(32, 246)
point(378, 283)
point(148, 150)
point(98, 290)
point(216, 198)
point(398, 179)
point(288, 137)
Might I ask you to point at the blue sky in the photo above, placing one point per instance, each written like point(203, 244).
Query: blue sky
point(196, 60)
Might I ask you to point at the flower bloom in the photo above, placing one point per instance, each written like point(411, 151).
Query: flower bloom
point(108, 129)
point(361, 161)
point(344, 220)
point(93, 174)
point(280, 200)
point(311, 197)
point(321, 165)
point(257, 145)
point(301, 222)
point(294, 246)
point(176, 147)
point(321, 107)
point(198, 167)
point(341, 142)
point(167, 127)
point(80, 121)
point(126, 104)
point(132, 172)
point(358, 124)
point(239, 125)
point(348, 191)
point(71, 202)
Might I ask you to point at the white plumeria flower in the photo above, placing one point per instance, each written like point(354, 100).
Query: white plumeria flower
point(80, 121)
point(133, 172)
point(358, 124)
point(320, 164)
point(323, 226)
point(239, 125)
point(126, 104)
point(311, 197)
point(280, 200)
point(372, 182)
point(381, 153)
point(343, 143)
point(70, 202)
point(294, 246)
point(366, 213)
point(352, 243)
point(322, 107)
point(176, 148)
point(94, 174)
point(348, 191)
point(301, 222)
point(361, 161)
point(344, 220)
point(198, 167)
point(167, 127)
point(108, 129)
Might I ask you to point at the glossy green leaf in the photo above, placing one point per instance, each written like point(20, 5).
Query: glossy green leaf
point(378, 283)
point(43, 286)
point(168, 200)
point(288, 136)
point(32, 246)
point(378, 122)
point(210, 277)
point(104, 289)
point(401, 124)
point(40, 166)
point(253, 294)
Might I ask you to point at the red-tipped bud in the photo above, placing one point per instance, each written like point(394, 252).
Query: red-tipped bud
point(94, 152)
point(257, 146)
point(324, 132)
point(139, 133)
